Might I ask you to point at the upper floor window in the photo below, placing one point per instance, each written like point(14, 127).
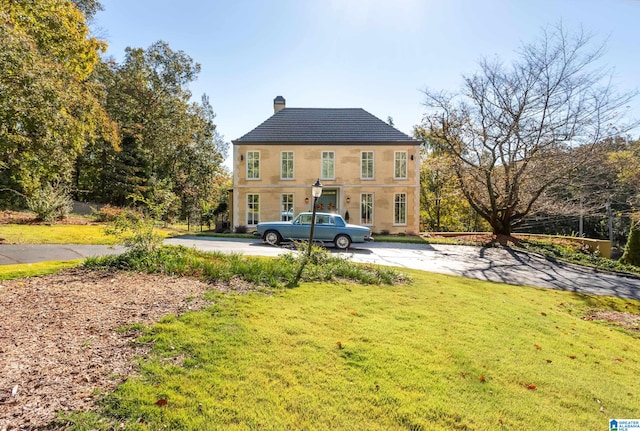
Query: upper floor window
point(400, 208)
point(253, 165)
point(400, 168)
point(328, 165)
point(286, 165)
point(366, 165)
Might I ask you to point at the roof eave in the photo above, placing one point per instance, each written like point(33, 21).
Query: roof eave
point(277, 142)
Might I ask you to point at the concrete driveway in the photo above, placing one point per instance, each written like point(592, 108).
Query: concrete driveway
point(494, 264)
point(502, 265)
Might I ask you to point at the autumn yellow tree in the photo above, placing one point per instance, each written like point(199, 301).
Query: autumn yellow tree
point(628, 162)
point(50, 109)
point(443, 207)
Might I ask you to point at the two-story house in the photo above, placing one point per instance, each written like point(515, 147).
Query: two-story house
point(369, 170)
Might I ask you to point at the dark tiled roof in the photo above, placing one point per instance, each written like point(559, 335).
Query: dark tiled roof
point(302, 125)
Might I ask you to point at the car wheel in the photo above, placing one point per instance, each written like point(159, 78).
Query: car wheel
point(342, 242)
point(272, 237)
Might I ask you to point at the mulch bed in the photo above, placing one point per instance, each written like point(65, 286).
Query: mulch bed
point(61, 338)
point(629, 321)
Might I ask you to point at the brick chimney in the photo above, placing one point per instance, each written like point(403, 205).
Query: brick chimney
point(278, 104)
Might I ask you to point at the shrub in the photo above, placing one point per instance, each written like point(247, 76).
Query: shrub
point(278, 272)
point(321, 265)
point(241, 229)
point(107, 213)
point(631, 255)
point(50, 203)
point(134, 230)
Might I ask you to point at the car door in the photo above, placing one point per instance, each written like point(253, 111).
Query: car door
point(301, 227)
point(325, 229)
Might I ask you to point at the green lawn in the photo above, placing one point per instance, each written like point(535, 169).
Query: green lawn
point(61, 234)
point(9, 272)
point(439, 353)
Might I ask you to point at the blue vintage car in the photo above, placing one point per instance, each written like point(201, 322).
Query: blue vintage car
point(328, 228)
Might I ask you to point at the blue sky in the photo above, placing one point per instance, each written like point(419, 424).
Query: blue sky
point(371, 54)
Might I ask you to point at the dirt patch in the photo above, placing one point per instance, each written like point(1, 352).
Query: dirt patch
point(61, 338)
point(479, 238)
point(628, 321)
point(18, 217)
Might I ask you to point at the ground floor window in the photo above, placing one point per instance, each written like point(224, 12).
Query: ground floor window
point(400, 208)
point(253, 209)
point(366, 208)
point(286, 206)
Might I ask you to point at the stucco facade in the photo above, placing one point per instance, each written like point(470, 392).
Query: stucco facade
point(375, 184)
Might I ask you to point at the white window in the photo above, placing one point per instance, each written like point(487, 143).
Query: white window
point(366, 165)
point(328, 165)
point(286, 206)
point(400, 208)
point(286, 165)
point(253, 209)
point(253, 165)
point(366, 208)
point(400, 169)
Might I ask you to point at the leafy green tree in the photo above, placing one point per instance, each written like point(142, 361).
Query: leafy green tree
point(442, 204)
point(49, 108)
point(512, 130)
point(170, 146)
point(631, 253)
point(50, 203)
point(591, 200)
point(88, 7)
point(628, 163)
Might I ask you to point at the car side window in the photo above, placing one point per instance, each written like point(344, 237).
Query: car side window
point(322, 219)
point(304, 219)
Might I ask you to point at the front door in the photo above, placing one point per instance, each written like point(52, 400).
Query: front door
point(328, 201)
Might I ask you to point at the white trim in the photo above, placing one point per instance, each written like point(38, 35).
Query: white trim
point(406, 209)
point(406, 165)
point(247, 208)
point(372, 208)
point(247, 165)
point(293, 203)
point(322, 165)
point(293, 165)
point(373, 165)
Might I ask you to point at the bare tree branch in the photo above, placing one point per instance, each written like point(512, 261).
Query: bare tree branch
point(513, 131)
